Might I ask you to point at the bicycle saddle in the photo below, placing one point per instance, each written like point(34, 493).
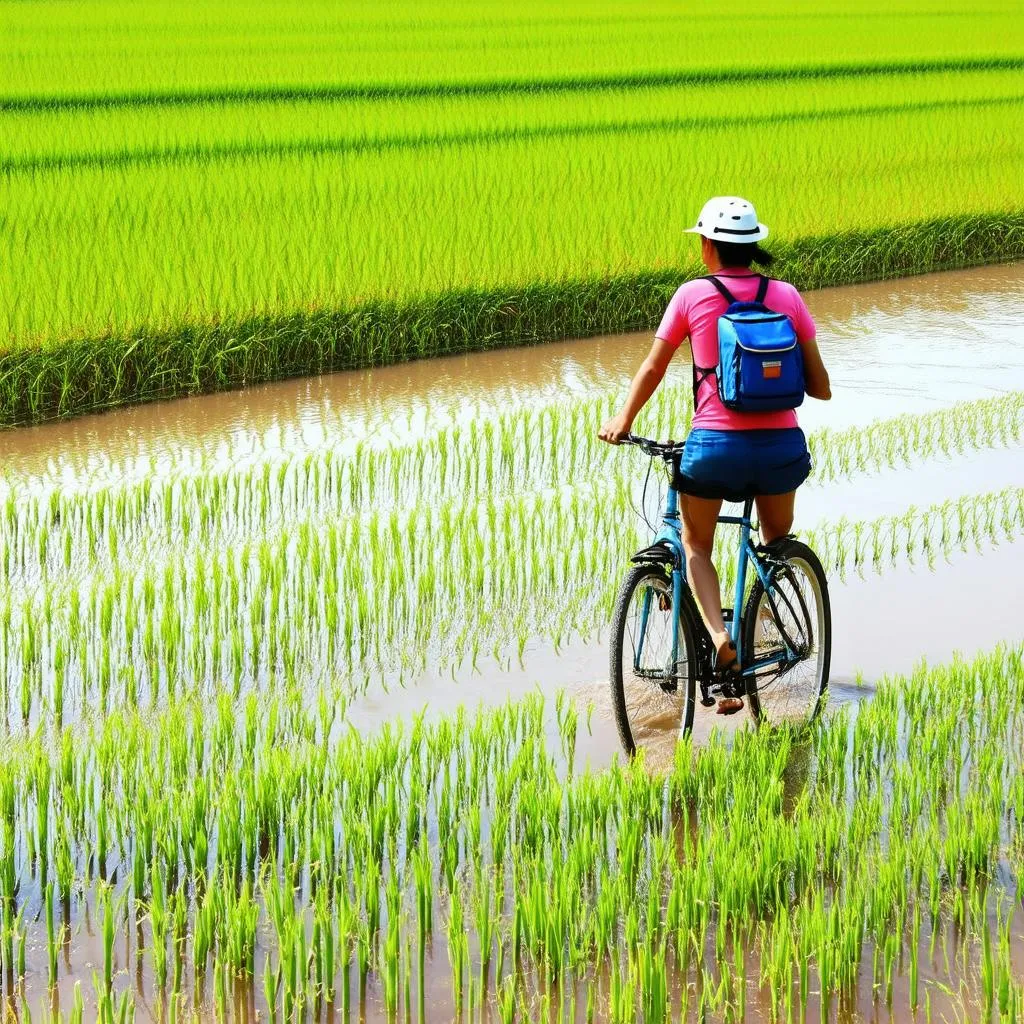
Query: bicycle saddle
point(659, 552)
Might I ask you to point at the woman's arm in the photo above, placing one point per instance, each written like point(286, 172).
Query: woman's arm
point(816, 382)
point(645, 383)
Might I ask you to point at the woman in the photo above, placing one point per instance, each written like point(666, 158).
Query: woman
point(728, 454)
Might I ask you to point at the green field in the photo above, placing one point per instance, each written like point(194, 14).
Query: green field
point(199, 197)
point(241, 778)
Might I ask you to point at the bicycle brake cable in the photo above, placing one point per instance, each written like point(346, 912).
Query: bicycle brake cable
point(638, 512)
point(643, 496)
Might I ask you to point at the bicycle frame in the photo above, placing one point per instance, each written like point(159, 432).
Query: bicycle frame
point(670, 535)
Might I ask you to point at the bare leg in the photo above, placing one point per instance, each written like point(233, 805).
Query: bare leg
point(700, 517)
point(775, 515)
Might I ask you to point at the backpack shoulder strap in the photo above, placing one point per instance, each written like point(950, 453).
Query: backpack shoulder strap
point(762, 289)
point(701, 374)
point(725, 293)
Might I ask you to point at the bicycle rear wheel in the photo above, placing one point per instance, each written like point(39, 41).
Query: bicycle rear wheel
point(653, 699)
point(796, 614)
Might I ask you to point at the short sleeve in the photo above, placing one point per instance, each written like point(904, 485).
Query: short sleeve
point(803, 322)
point(675, 324)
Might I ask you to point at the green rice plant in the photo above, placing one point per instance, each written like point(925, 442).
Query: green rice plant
point(1006, 985)
point(391, 965)
point(929, 532)
point(270, 989)
point(837, 454)
point(159, 923)
point(53, 937)
point(604, 870)
point(111, 911)
point(458, 949)
point(374, 127)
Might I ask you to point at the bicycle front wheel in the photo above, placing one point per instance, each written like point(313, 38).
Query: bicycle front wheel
point(652, 692)
point(795, 616)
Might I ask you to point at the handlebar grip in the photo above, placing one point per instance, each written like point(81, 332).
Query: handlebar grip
point(653, 448)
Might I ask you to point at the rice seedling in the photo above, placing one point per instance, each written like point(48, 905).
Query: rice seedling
point(596, 904)
point(285, 600)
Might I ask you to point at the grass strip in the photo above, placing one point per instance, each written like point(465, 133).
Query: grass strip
point(495, 86)
point(78, 376)
point(318, 146)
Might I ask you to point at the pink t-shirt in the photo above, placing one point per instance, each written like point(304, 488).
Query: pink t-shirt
point(694, 311)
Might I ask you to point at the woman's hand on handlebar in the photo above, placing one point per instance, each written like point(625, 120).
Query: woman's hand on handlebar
point(615, 429)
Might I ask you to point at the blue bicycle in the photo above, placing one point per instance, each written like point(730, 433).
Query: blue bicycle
point(661, 652)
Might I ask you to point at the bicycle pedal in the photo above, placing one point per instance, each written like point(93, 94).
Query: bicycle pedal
point(726, 688)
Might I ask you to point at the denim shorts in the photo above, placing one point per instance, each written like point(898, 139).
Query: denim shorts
point(740, 464)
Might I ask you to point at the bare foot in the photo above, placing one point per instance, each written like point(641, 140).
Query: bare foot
point(725, 666)
point(729, 705)
point(725, 652)
point(723, 647)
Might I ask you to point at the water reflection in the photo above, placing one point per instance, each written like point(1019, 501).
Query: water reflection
point(892, 347)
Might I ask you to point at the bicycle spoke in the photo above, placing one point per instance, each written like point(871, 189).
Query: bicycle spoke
point(654, 687)
point(799, 616)
point(790, 619)
point(648, 682)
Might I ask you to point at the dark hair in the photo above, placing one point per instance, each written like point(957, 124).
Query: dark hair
point(742, 254)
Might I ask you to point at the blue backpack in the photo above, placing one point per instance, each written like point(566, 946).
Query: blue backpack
point(760, 365)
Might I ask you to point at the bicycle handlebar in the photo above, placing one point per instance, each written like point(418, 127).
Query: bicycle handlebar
point(656, 449)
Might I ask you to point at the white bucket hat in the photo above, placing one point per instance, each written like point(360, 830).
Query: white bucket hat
point(729, 219)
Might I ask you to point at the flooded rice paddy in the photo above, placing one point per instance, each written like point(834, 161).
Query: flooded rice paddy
point(236, 633)
point(910, 345)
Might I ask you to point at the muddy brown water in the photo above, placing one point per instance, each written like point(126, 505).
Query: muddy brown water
point(896, 346)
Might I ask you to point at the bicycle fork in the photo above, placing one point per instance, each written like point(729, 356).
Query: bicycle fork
point(667, 542)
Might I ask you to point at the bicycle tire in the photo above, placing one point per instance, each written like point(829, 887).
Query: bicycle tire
point(767, 711)
point(621, 647)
